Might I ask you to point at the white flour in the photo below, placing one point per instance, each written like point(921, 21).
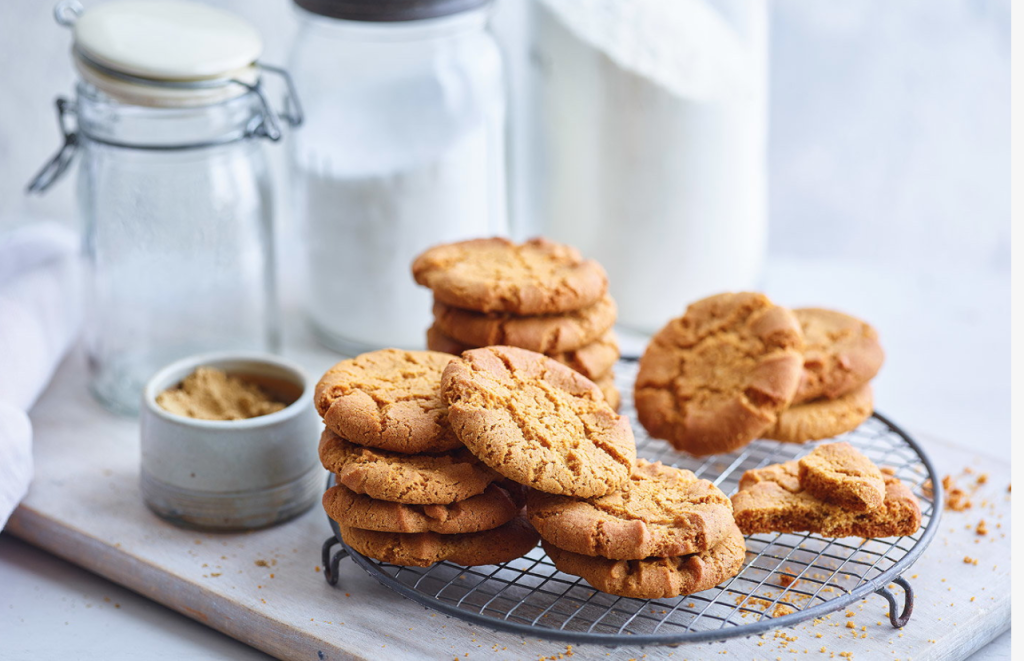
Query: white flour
point(651, 155)
point(364, 231)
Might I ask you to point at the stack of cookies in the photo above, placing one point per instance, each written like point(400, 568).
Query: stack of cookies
point(835, 491)
point(666, 534)
point(538, 295)
point(628, 527)
point(407, 491)
point(737, 367)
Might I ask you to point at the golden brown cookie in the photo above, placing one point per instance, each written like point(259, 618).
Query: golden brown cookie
point(841, 354)
point(489, 547)
point(611, 393)
point(839, 474)
point(538, 422)
point(662, 512)
point(771, 499)
point(593, 360)
point(414, 479)
point(388, 399)
point(716, 378)
point(656, 578)
point(823, 418)
point(549, 334)
point(486, 511)
point(497, 275)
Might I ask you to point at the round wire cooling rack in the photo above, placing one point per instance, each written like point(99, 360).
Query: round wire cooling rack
point(786, 578)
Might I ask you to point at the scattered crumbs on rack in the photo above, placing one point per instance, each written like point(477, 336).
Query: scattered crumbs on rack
point(981, 528)
point(968, 560)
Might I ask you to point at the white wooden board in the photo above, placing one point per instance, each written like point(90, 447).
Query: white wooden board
point(265, 588)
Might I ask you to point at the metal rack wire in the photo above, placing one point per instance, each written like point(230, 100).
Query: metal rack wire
point(786, 578)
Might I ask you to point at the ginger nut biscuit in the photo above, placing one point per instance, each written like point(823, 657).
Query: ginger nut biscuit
point(656, 578)
point(422, 549)
point(841, 354)
point(662, 512)
point(498, 275)
point(486, 511)
point(772, 499)
point(413, 479)
point(593, 360)
point(838, 473)
point(538, 422)
point(549, 334)
point(716, 378)
point(823, 418)
point(388, 399)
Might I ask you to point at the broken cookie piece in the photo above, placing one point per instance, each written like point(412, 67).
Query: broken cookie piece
point(839, 474)
point(773, 499)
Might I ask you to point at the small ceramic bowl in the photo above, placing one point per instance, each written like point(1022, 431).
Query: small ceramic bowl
point(232, 474)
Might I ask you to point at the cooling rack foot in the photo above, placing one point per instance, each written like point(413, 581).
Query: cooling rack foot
point(900, 620)
point(330, 563)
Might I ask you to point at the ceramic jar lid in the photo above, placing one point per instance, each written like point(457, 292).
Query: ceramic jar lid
point(165, 41)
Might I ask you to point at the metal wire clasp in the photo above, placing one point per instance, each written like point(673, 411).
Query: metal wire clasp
point(56, 166)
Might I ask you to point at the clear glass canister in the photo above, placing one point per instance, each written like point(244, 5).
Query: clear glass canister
point(402, 148)
point(176, 202)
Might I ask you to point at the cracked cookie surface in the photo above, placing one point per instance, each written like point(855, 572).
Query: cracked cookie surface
point(656, 578)
point(772, 499)
point(662, 512)
point(498, 275)
point(415, 479)
point(839, 474)
point(841, 354)
point(823, 418)
point(388, 399)
point(547, 334)
point(489, 547)
point(486, 511)
point(716, 378)
point(592, 360)
point(538, 422)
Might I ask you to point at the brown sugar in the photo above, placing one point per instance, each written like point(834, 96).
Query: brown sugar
point(210, 394)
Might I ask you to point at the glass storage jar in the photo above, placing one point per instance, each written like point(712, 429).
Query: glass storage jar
point(402, 148)
point(173, 190)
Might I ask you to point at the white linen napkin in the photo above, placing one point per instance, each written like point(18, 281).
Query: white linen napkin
point(40, 313)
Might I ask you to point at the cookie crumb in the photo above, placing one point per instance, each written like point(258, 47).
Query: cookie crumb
point(968, 560)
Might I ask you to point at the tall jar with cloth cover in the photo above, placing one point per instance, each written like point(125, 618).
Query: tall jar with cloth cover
point(173, 188)
point(402, 148)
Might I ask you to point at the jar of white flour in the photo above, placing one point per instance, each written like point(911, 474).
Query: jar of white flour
point(650, 144)
point(403, 148)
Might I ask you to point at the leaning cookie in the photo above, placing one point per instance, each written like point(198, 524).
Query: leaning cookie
point(716, 378)
point(546, 334)
point(538, 422)
point(841, 354)
point(497, 275)
point(489, 547)
point(414, 479)
point(823, 418)
point(656, 578)
point(388, 399)
point(663, 511)
point(486, 511)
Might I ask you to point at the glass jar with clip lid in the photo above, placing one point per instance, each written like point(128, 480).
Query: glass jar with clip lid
point(173, 187)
